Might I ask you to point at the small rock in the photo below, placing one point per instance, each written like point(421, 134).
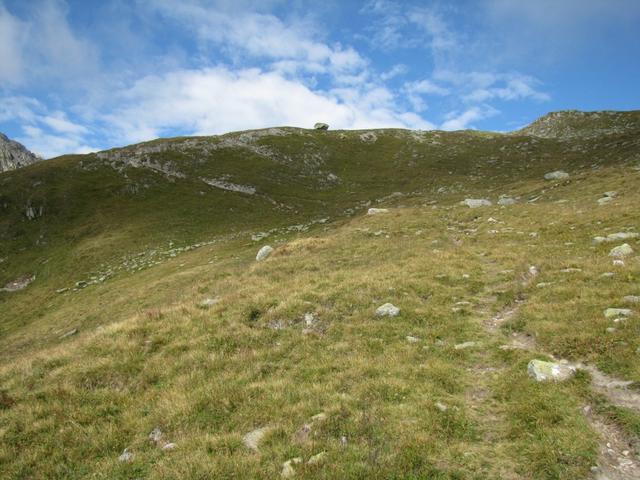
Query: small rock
point(557, 175)
point(411, 339)
point(632, 299)
point(543, 371)
point(604, 200)
point(287, 467)
point(621, 251)
point(264, 252)
point(69, 333)
point(442, 407)
point(608, 275)
point(155, 435)
point(321, 126)
point(209, 302)
point(387, 310)
point(462, 346)
point(376, 211)
point(319, 417)
point(476, 202)
point(317, 458)
point(617, 312)
point(506, 200)
point(618, 263)
point(126, 456)
point(611, 329)
point(611, 193)
point(252, 439)
point(343, 440)
point(169, 446)
point(571, 270)
point(533, 271)
point(543, 284)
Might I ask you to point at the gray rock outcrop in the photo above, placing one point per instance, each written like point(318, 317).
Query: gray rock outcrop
point(14, 155)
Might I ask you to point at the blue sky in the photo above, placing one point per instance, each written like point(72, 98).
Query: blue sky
point(84, 75)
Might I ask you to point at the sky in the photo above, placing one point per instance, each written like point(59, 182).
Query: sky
point(85, 75)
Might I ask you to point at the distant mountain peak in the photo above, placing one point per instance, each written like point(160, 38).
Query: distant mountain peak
point(568, 124)
point(14, 155)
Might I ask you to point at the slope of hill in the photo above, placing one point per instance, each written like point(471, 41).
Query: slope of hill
point(146, 323)
point(14, 155)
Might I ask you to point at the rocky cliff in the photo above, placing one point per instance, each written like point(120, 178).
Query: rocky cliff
point(14, 155)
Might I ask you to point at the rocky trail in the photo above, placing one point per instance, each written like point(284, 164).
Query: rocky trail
point(618, 457)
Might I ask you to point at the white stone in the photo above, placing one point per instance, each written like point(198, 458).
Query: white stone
point(264, 252)
point(462, 346)
point(317, 458)
point(557, 175)
point(287, 467)
point(387, 310)
point(632, 299)
point(543, 371)
point(621, 250)
point(476, 202)
point(169, 446)
point(126, 456)
point(617, 312)
point(376, 211)
point(252, 439)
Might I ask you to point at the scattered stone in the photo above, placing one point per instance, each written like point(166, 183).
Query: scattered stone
point(476, 202)
point(632, 299)
point(70, 333)
point(543, 284)
point(557, 175)
point(376, 211)
point(252, 439)
point(319, 417)
point(462, 346)
point(412, 339)
point(611, 330)
point(321, 126)
point(156, 435)
point(387, 310)
point(209, 302)
point(169, 446)
point(571, 270)
point(533, 271)
point(543, 371)
point(506, 200)
point(621, 250)
point(126, 456)
point(618, 263)
point(608, 274)
point(317, 458)
point(611, 194)
point(614, 237)
point(617, 312)
point(604, 200)
point(287, 467)
point(263, 253)
point(442, 407)
point(19, 283)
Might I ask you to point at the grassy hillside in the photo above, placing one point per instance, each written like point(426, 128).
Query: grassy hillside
point(152, 230)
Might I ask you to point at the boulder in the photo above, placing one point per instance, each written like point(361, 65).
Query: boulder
point(321, 126)
point(252, 439)
point(476, 202)
point(621, 251)
point(557, 175)
point(126, 456)
point(543, 371)
point(263, 253)
point(617, 312)
point(387, 310)
point(506, 200)
point(376, 211)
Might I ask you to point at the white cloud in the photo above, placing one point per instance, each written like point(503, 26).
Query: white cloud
point(44, 46)
point(462, 120)
point(13, 35)
point(218, 100)
point(48, 145)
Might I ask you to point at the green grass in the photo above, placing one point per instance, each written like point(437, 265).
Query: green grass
point(147, 354)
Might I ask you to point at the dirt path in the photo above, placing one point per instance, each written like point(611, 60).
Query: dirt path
point(617, 459)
